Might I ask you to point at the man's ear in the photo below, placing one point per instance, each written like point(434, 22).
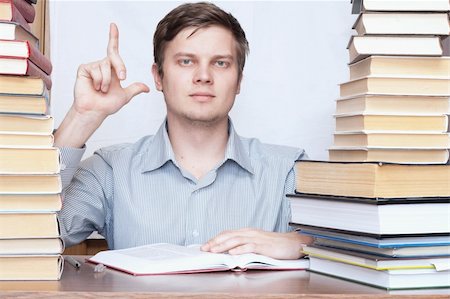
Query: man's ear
point(157, 77)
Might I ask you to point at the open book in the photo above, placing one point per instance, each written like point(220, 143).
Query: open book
point(165, 258)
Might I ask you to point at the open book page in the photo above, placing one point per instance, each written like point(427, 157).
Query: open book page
point(168, 258)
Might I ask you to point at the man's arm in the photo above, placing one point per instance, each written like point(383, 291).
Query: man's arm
point(97, 94)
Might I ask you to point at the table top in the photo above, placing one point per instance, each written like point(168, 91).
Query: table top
point(85, 283)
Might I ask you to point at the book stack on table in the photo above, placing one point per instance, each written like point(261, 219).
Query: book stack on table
point(380, 208)
point(30, 185)
point(394, 107)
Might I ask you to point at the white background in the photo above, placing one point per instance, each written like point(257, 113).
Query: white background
point(297, 59)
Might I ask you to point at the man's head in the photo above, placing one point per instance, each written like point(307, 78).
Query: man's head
point(197, 15)
point(200, 53)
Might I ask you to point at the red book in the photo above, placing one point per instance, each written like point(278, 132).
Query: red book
point(10, 13)
point(24, 49)
point(26, 9)
point(23, 66)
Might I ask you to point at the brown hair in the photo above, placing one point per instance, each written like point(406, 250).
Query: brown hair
point(199, 15)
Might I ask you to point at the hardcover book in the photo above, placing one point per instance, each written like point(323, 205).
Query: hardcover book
point(372, 180)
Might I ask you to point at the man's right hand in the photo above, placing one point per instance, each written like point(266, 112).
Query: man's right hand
point(97, 94)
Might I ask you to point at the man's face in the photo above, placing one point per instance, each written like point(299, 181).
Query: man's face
point(200, 80)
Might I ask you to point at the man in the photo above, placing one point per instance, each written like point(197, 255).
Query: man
point(195, 180)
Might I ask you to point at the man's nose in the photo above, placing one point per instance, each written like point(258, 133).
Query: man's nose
point(203, 74)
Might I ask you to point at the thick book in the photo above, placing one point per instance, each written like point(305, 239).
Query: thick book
point(31, 267)
point(393, 104)
point(30, 203)
point(31, 246)
point(391, 123)
point(30, 124)
point(372, 216)
point(389, 155)
point(360, 47)
point(372, 180)
point(24, 104)
point(24, 49)
point(10, 13)
point(410, 251)
point(401, 66)
point(28, 225)
point(15, 31)
point(29, 160)
point(22, 85)
point(386, 139)
point(387, 279)
point(30, 184)
point(376, 262)
point(17, 66)
point(399, 5)
point(24, 140)
point(25, 8)
point(402, 23)
point(374, 240)
point(165, 258)
point(396, 86)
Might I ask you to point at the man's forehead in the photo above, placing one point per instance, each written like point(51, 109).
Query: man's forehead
point(208, 38)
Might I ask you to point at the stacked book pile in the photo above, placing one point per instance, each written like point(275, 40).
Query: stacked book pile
point(30, 186)
point(380, 208)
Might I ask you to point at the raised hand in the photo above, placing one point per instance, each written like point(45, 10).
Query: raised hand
point(97, 94)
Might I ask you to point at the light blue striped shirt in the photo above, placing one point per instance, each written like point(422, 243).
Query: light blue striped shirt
point(136, 194)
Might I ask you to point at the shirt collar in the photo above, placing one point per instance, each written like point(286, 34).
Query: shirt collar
point(159, 151)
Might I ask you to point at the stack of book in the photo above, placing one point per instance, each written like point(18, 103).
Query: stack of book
point(394, 107)
point(30, 186)
point(380, 209)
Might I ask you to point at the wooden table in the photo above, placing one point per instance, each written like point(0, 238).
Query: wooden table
point(85, 283)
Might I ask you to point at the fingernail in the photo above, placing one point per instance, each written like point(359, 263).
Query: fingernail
point(122, 75)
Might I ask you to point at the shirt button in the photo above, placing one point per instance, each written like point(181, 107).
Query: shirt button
point(195, 233)
point(63, 166)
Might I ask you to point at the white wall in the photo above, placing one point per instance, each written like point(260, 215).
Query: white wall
point(297, 57)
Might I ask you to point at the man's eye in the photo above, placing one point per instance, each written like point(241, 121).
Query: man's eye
point(185, 61)
point(221, 63)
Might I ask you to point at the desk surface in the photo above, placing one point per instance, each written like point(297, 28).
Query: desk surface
point(85, 283)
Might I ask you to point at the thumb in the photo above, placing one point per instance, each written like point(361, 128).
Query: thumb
point(135, 89)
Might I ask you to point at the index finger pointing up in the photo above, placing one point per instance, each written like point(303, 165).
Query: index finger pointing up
point(113, 52)
point(113, 43)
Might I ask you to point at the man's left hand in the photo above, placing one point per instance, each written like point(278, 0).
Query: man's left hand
point(248, 240)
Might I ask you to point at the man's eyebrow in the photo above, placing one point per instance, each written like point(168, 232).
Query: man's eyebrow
point(184, 54)
point(229, 57)
point(215, 57)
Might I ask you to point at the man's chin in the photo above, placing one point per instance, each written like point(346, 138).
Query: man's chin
point(205, 120)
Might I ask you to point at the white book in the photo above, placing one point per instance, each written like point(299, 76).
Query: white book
point(163, 258)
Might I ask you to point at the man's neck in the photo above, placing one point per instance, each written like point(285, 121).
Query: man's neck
point(198, 147)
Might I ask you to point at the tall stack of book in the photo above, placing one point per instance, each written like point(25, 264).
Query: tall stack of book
point(30, 186)
point(380, 208)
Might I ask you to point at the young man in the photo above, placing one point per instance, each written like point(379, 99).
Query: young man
point(195, 180)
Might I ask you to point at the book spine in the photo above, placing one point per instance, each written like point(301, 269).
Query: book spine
point(34, 70)
point(18, 18)
point(26, 9)
point(39, 59)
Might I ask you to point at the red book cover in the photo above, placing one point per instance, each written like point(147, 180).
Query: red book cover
point(26, 9)
point(23, 66)
point(9, 12)
point(24, 49)
point(33, 70)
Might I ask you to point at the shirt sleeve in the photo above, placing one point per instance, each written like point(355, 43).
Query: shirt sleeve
point(285, 216)
point(70, 160)
point(85, 197)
